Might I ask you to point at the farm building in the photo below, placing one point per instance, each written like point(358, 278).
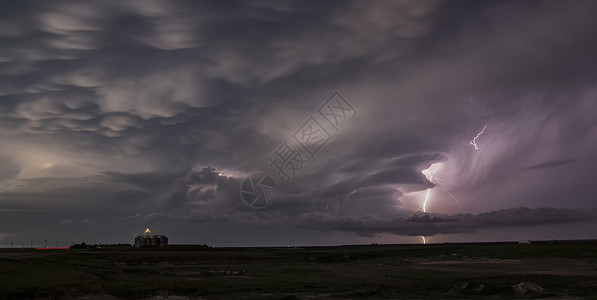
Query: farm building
point(147, 239)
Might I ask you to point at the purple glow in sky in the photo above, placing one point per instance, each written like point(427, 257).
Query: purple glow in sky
point(121, 115)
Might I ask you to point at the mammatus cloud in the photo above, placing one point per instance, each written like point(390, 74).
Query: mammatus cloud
point(124, 113)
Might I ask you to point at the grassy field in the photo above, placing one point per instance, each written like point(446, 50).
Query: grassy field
point(562, 271)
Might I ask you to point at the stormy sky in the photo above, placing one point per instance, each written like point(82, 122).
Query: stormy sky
point(121, 115)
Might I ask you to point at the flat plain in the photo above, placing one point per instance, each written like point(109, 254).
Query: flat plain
point(563, 270)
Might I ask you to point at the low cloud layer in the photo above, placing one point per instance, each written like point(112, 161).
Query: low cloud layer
point(432, 224)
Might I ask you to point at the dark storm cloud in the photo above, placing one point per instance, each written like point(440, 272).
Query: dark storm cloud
point(172, 190)
point(426, 218)
point(548, 164)
point(70, 194)
point(155, 111)
point(8, 169)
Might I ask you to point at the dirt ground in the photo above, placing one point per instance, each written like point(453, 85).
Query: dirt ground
point(458, 271)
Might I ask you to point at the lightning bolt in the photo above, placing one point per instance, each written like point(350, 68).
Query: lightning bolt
point(426, 199)
point(429, 172)
point(474, 141)
point(425, 209)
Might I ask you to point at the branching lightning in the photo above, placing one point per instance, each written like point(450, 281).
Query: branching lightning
point(474, 141)
point(429, 172)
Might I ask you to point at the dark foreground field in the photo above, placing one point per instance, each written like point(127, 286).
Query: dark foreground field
point(562, 271)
